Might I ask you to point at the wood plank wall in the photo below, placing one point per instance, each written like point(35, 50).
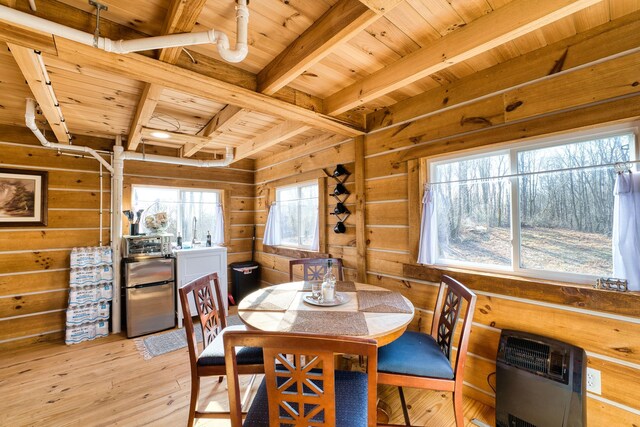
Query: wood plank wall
point(34, 261)
point(235, 181)
point(300, 166)
point(611, 339)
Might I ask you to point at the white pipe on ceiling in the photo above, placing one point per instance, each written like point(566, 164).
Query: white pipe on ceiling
point(30, 120)
point(126, 46)
point(228, 159)
point(117, 173)
point(242, 24)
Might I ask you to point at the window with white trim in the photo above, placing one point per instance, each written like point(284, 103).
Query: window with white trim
point(181, 206)
point(298, 208)
point(542, 209)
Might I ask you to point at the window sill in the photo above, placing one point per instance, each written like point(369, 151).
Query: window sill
point(293, 252)
point(571, 294)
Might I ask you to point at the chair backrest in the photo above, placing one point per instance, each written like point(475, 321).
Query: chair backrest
point(445, 319)
point(299, 373)
point(315, 268)
point(212, 320)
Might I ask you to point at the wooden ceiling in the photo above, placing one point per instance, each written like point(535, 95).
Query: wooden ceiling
point(313, 68)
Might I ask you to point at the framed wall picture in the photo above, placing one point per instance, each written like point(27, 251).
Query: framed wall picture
point(23, 198)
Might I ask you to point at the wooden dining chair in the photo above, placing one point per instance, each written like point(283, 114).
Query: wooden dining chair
point(315, 268)
point(211, 360)
point(301, 385)
point(424, 361)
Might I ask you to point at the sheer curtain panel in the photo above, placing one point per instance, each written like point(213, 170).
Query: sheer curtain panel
point(626, 229)
point(217, 236)
point(272, 232)
point(315, 243)
point(428, 230)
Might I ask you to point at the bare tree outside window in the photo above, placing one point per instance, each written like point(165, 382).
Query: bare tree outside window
point(561, 195)
point(298, 213)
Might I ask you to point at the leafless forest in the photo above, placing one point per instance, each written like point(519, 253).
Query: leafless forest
point(565, 216)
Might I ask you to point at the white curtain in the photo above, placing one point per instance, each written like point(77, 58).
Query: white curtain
point(272, 232)
point(315, 244)
point(626, 229)
point(217, 236)
point(428, 231)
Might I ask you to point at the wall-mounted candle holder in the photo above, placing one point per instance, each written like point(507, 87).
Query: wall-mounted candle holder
point(341, 194)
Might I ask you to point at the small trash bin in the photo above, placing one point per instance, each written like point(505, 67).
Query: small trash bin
point(245, 278)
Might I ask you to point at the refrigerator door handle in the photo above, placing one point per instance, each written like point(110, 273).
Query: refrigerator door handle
point(148, 285)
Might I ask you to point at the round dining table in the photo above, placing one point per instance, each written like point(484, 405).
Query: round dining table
point(369, 311)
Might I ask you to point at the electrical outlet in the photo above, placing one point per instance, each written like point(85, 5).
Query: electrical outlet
point(594, 383)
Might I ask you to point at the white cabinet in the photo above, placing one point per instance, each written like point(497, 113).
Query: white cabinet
point(197, 262)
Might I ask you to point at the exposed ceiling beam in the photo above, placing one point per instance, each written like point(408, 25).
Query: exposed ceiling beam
point(381, 6)
point(29, 65)
point(148, 70)
point(338, 25)
point(500, 26)
point(146, 106)
point(273, 136)
point(227, 117)
point(177, 138)
point(600, 42)
point(70, 16)
point(181, 18)
point(222, 122)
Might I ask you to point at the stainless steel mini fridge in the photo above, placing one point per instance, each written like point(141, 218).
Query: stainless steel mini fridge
point(149, 285)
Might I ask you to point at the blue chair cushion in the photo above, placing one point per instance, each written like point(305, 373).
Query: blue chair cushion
point(213, 354)
point(415, 354)
point(351, 402)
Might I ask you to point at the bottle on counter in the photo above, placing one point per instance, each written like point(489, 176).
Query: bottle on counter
point(208, 239)
point(329, 284)
point(179, 241)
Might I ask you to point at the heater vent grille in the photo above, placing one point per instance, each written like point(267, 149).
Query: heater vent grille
point(527, 354)
point(517, 422)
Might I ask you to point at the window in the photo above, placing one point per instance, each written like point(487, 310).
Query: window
point(182, 206)
point(298, 208)
point(543, 209)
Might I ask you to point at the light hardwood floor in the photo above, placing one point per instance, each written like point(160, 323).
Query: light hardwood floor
point(107, 383)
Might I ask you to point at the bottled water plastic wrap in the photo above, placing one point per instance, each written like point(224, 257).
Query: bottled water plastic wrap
point(88, 257)
point(86, 331)
point(90, 294)
point(91, 289)
point(81, 276)
point(82, 295)
point(80, 314)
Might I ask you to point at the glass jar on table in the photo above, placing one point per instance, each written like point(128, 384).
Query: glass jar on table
point(329, 284)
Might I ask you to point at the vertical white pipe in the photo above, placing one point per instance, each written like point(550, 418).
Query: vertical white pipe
point(100, 213)
point(116, 227)
point(242, 48)
point(111, 208)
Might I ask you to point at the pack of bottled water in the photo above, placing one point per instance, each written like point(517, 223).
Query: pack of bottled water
point(95, 275)
point(79, 314)
point(90, 294)
point(86, 331)
point(90, 257)
point(90, 290)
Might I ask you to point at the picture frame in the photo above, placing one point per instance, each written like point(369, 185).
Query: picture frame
point(23, 197)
